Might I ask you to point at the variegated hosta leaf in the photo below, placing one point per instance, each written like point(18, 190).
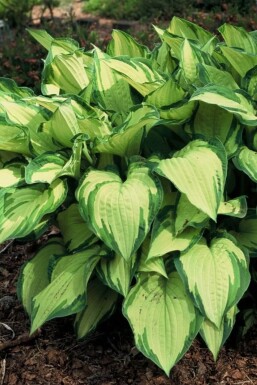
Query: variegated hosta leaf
point(199, 171)
point(9, 87)
point(174, 43)
point(246, 161)
point(59, 46)
point(211, 121)
point(162, 59)
point(164, 239)
point(235, 207)
point(249, 83)
point(64, 117)
point(120, 213)
point(66, 292)
point(34, 275)
point(190, 59)
point(187, 214)
point(20, 113)
point(163, 318)
point(138, 73)
point(31, 118)
point(39, 229)
point(111, 91)
point(49, 166)
point(101, 303)
point(68, 73)
point(12, 174)
point(216, 276)
point(154, 265)
point(240, 60)
point(246, 233)
point(212, 75)
point(75, 231)
point(171, 100)
point(188, 30)
point(45, 168)
point(22, 208)
point(166, 95)
point(216, 337)
point(126, 138)
point(14, 138)
point(237, 37)
point(231, 101)
point(180, 113)
point(42, 37)
point(124, 44)
point(117, 273)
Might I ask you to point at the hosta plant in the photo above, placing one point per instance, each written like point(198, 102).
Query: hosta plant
point(145, 162)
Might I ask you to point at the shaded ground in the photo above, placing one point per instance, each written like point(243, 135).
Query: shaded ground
point(107, 357)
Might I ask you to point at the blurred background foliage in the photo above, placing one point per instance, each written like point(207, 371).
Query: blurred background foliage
point(149, 9)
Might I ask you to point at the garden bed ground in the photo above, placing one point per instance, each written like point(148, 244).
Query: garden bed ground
point(108, 356)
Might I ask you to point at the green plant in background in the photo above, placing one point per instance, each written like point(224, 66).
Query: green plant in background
point(136, 9)
point(146, 162)
point(152, 9)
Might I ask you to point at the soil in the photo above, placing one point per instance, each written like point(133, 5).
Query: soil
point(52, 356)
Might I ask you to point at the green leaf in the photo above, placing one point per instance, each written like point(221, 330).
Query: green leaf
point(66, 292)
point(212, 75)
point(188, 30)
point(215, 276)
point(101, 303)
point(237, 37)
point(216, 337)
point(22, 208)
point(240, 60)
point(211, 121)
point(117, 273)
point(163, 318)
point(187, 215)
point(154, 265)
point(166, 95)
point(9, 87)
point(164, 238)
point(172, 102)
point(42, 37)
point(14, 138)
point(65, 117)
point(39, 229)
point(75, 232)
point(246, 161)
point(120, 213)
point(126, 139)
point(199, 171)
point(246, 233)
point(34, 275)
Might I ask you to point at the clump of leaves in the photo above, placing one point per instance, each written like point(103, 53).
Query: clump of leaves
point(146, 162)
